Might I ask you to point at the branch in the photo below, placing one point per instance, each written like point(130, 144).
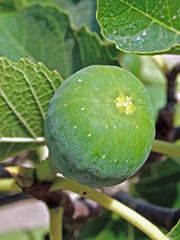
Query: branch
point(160, 216)
point(165, 120)
point(176, 133)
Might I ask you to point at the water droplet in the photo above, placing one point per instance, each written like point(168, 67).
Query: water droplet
point(138, 38)
point(144, 33)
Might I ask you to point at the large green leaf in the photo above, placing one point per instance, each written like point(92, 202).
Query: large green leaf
point(25, 92)
point(45, 34)
point(141, 26)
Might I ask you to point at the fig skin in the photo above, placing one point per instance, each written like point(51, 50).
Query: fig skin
point(99, 126)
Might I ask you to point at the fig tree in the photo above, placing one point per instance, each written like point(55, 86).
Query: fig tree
point(99, 126)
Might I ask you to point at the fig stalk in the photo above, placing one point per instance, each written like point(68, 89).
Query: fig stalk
point(113, 205)
point(166, 148)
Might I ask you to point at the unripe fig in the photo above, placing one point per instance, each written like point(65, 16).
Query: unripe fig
point(99, 126)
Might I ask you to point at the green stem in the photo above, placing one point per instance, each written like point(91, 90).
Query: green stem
point(44, 171)
point(166, 148)
point(56, 216)
point(122, 210)
point(9, 185)
point(130, 231)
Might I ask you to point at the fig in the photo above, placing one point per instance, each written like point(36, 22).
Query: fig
point(99, 126)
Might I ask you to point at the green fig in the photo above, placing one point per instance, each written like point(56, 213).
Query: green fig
point(99, 126)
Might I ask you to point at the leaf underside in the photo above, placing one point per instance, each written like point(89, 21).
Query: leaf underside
point(25, 92)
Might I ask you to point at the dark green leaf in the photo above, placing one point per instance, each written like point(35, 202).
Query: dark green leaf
point(141, 26)
point(110, 226)
point(25, 92)
point(91, 49)
point(158, 184)
point(83, 12)
point(7, 5)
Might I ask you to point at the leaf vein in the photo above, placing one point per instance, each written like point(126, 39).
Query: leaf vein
point(150, 17)
point(33, 93)
point(18, 116)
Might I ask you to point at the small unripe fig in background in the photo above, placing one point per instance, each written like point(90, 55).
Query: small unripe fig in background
point(99, 126)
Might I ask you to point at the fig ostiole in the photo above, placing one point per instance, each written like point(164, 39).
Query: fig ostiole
point(99, 126)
